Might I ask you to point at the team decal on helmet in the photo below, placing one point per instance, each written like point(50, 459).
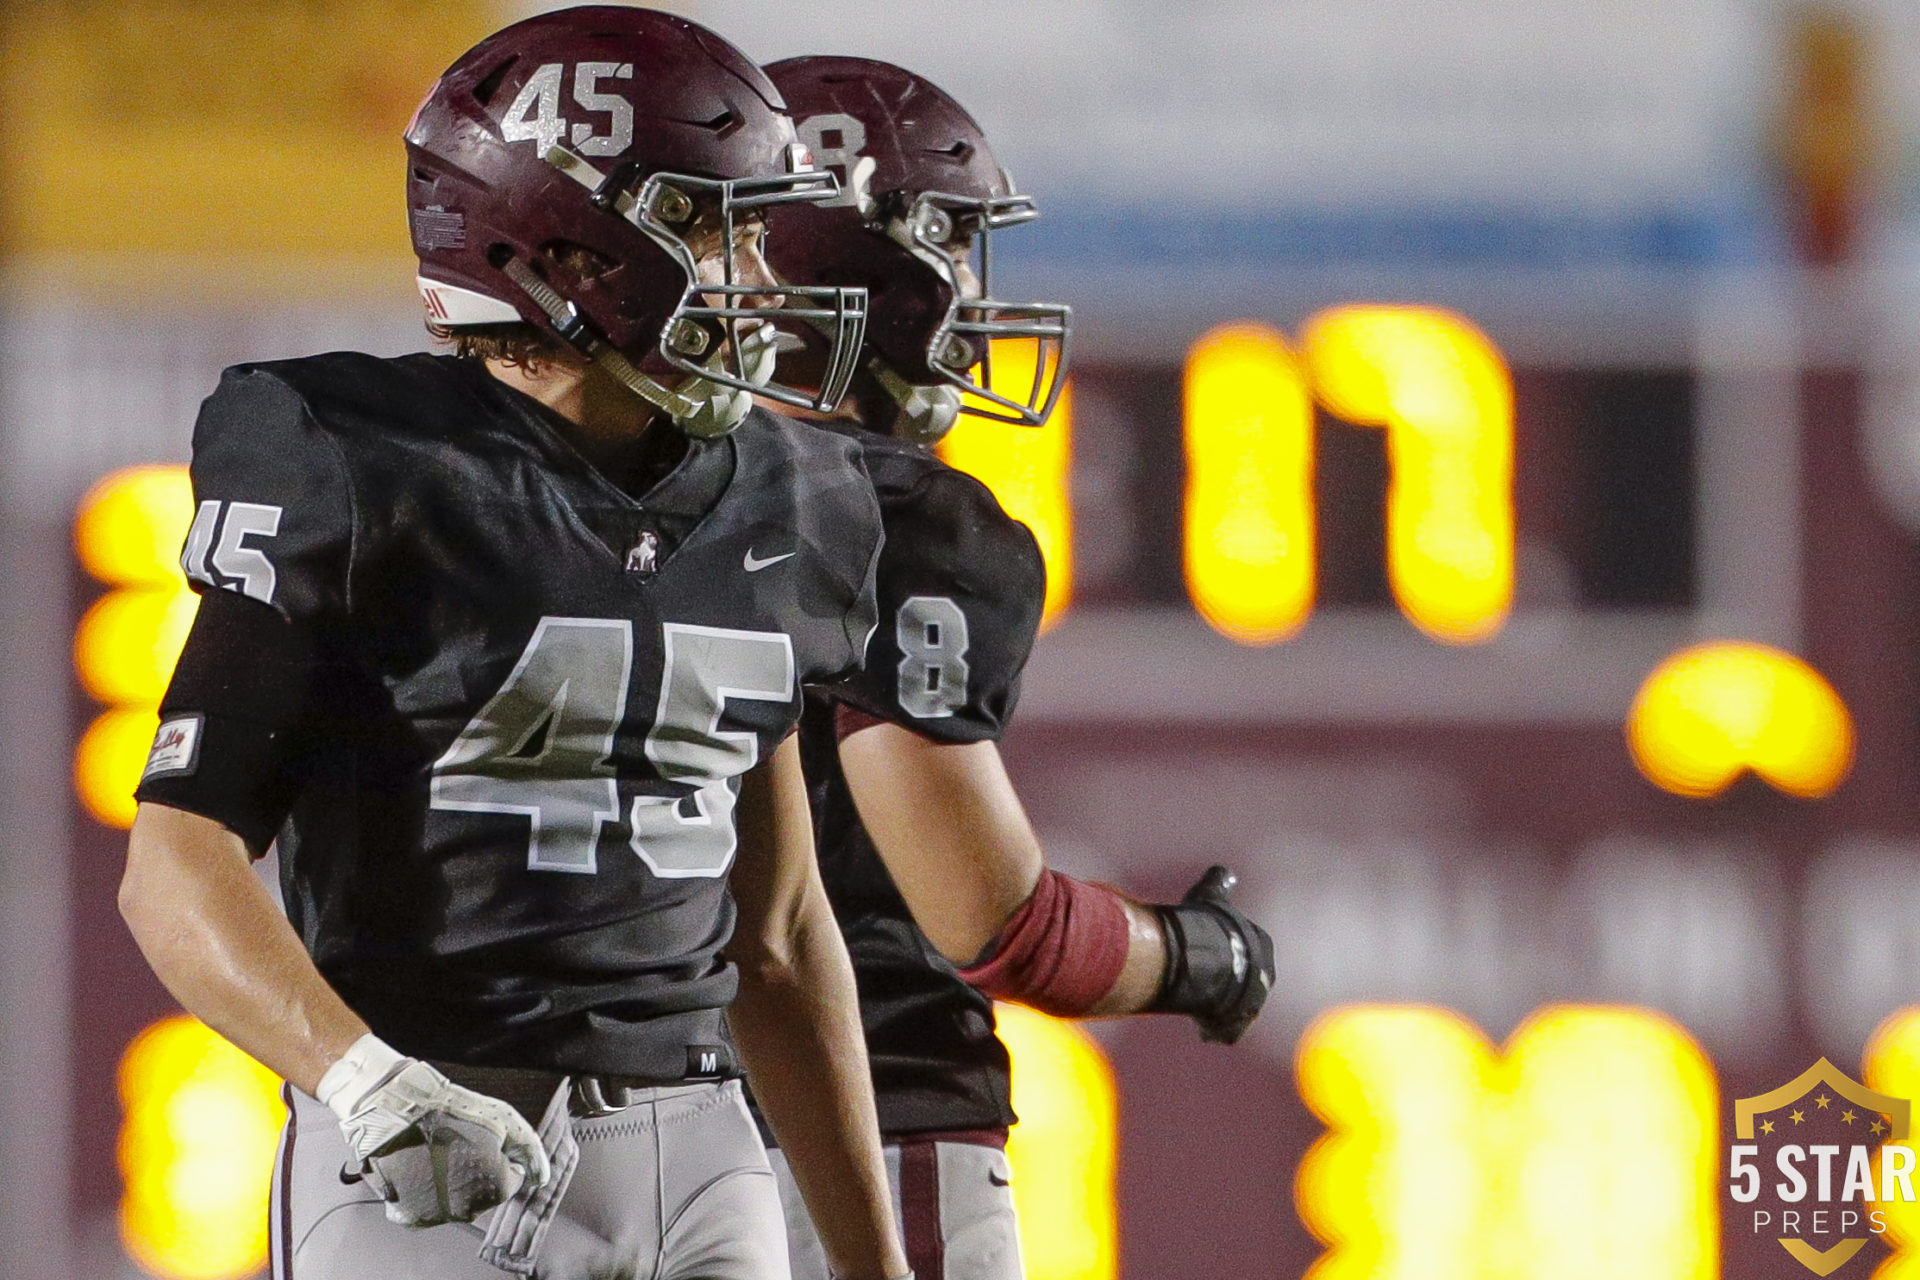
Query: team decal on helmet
point(539, 191)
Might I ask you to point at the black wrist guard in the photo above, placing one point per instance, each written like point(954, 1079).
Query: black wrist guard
point(1219, 962)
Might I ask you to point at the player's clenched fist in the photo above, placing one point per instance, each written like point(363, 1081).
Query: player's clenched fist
point(1219, 962)
point(434, 1151)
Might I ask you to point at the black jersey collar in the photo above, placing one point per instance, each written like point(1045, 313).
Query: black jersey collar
point(688, 491)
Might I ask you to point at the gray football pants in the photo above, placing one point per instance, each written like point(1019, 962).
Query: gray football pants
point(674, 1187)
point(953, 1200)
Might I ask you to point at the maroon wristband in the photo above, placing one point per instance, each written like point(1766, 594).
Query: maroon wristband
point(1062, 952)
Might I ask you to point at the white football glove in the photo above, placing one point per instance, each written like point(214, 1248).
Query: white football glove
point(434, 1151)
point(520, 1226)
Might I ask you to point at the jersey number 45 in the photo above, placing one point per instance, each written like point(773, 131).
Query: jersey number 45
point(541, 745)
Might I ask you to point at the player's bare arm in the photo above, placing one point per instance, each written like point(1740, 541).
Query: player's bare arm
point(796, 1022)
point(224, 949)
point(956, 840)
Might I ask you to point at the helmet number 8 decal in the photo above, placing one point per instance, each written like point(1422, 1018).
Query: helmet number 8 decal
point(836, 142)
point(535, 113)
point(541, 746)
point(932, 634)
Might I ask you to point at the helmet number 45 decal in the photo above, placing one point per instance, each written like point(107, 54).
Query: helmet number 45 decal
point(534, 115)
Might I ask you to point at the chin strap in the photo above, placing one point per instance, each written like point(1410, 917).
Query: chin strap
point(702, 409)
point(926, 413)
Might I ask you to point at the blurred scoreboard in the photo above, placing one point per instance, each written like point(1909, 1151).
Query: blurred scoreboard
point(1369, 462)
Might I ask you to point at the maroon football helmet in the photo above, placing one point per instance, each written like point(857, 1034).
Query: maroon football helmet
point(555, 173)
point(920, 198)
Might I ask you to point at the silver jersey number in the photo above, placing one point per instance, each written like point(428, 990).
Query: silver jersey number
point(932, 634)
point(541, 745)
point(705, 668)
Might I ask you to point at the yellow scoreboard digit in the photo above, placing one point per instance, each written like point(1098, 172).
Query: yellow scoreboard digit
point(201, 1123)
point(128, 535)
point(1712, 711)
point(1893, 1066)
point(1589, 1149)
point(1028, 468)
point(1249, 519)
point(1443, 393)
point(1064, 1150)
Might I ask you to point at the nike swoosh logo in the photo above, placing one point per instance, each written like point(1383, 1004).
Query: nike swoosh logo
point(997, 1180)
point(754, 566)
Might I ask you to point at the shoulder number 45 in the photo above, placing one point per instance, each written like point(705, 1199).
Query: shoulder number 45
point(541, 745)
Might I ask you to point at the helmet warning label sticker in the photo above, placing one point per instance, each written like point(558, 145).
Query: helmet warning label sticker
point(435, 227)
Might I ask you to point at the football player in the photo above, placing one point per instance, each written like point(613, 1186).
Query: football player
point(505, 649)
point(935, 874)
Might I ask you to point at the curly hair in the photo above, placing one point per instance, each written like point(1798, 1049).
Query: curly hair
point(515, 343)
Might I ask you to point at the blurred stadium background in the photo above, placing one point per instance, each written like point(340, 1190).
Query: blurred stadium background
point(1485, 514)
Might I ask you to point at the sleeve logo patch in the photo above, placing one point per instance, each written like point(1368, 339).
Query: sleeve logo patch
point(176, 748)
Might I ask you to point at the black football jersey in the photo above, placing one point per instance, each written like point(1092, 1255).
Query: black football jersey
point(510, 783)
point(960, 588)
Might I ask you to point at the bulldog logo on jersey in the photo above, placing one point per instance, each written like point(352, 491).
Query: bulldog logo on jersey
point(1839, 1152)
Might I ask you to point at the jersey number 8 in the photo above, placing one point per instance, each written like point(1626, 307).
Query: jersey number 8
point(540, 747)
point(932, 634)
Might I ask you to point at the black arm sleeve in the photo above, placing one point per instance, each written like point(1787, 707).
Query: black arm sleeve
point(269, 553)
point(229, 741)
point(961, 585)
